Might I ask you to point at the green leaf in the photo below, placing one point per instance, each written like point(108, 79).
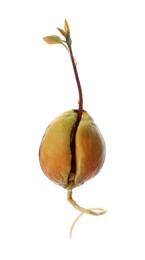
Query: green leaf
point(53, 39)
point(66, 27)
point(62, 32)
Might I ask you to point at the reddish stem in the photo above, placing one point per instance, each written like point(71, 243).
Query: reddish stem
point(75, 126)
point(80, 110)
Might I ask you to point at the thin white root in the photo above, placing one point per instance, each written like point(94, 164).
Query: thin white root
point(99, 212)
point(90, 211)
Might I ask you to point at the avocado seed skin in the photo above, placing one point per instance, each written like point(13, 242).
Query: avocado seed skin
point(90, 149)
point(55, 152)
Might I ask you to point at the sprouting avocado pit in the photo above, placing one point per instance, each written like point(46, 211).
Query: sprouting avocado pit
point(72, 150)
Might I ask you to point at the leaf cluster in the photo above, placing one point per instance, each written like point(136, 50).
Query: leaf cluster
point(55, 39)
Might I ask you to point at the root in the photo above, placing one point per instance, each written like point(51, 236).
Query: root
point(99, 211)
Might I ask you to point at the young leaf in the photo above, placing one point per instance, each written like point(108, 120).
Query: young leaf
point(53, 39)
point(66, 27)
point(62, 32)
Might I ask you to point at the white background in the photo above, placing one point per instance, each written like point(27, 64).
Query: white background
point(36, 85)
